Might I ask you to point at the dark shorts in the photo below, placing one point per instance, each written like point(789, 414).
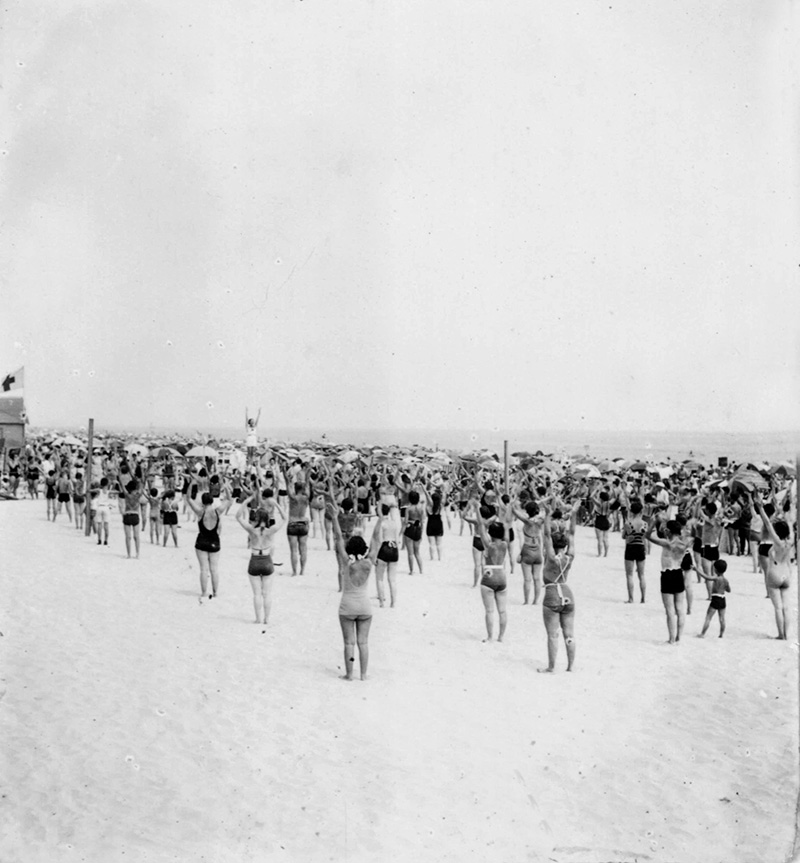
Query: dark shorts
point(388, 552)
point(687, 562)
point(260, 564)
point(477, 543)
point(131, 518)
point(414, 532)
point(282, 492)
point(78, 498)
point(50, 493)
point(207, 545)
point(697, 545)
point(635, 552)
point(297, 528)
point(763, 549)
point(718, 602)
point(169, 518)
point(672, 581)
point(63, 498)
point(710, 552)
point(363, 506)
point(510, 534)
point(601, 522)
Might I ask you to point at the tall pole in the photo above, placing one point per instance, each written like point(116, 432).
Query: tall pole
point(505, 459)
point(89, 463)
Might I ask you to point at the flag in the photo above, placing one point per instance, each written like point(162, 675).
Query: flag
point(14, 381)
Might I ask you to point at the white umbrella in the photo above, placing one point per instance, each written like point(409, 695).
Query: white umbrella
point(202, 451)
point(136, 449)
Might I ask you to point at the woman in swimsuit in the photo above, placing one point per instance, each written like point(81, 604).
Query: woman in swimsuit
point(207, 545)
point(494, 584)
point(779, 567)
point(634, 531)
point(79, 501)
point(530, 555)
point(355, 610)
point(601, 521)
point(261, 537)
point(413, 521)
point(558, 606)
point(384, 539)
point(487, 512)
point(434, 529)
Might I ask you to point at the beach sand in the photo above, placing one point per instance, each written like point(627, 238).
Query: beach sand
point(140, 725)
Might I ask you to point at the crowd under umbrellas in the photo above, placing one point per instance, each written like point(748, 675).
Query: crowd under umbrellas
point(372, 503)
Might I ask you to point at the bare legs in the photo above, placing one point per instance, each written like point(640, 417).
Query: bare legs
point(435, 543)
point(477, 560)
point(553, 621)
point(209, 565)
point(262, 596)
point(629, 567)
point(298, 548)
point(131, 533)
point(602, 542)
point(675, 608)
point(707, 622)
point(494, 599)
point(390, 570)
point(778, 595)
point(355, 632)
point(412, 549)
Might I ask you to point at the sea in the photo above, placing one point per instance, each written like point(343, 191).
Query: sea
point(705, 447)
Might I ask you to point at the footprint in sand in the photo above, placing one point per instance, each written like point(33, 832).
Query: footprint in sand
point(129, 758)
point(161, 712)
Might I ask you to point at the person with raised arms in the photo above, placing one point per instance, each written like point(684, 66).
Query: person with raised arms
point(261, 536)
point(673, 587)
point(494, 583)
point(634, 531)
point(355, 609)
point(208, 543)
point(385, 548)
point(531, 556)
point(558, 605)
point(411, 528)
point(779, 566)
point(297, 526)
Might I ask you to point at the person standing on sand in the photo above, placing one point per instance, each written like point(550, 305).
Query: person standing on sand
point(130, 496)
point(779, 567)
point(169, 516)
point(530, 556)
point(384, 539)
point(207, 545)
point(262, 541)
point(719, 587)
point(558, 606)
point(602, 523)
point(355, 609)
point(413, 522)
point(673, 588)
point(297, 526)
point(494, 583)
point(633, 533)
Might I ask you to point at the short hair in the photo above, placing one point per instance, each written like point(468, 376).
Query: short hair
point(413, 498)
point(720, 566)
point(674, 527)
point(781, 529)
point(532, 508)
point(347, 504)
point(636, 507)
point(356, 546)
point(497, 531)
point(207, 499)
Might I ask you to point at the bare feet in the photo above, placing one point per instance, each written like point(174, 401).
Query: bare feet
point(545, 670)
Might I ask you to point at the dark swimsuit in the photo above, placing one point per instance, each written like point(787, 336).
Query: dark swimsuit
point(207, 539)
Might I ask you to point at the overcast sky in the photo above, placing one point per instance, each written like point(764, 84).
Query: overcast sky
point(365, 214)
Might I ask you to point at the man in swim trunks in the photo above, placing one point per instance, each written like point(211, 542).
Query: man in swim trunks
point(673, 588)
point(297, 528)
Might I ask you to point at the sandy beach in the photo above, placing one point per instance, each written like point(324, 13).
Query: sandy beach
point(141, 725)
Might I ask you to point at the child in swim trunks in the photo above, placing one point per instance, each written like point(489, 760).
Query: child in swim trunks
point(719, 587)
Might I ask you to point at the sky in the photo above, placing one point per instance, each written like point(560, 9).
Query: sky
point(572, 215)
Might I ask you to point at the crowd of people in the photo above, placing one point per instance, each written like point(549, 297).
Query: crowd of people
point(371, 510)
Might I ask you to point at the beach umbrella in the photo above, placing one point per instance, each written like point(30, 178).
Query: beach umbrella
point(783, 469)
point(136, 449)
point(586, 470)
point(348, 456)
point(165, 450)
point(749, 479)
point(201, 451)
point(71, 440)
point(490, 463)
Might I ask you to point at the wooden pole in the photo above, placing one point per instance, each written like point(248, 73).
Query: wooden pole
point(505, 459)
point(89, 464)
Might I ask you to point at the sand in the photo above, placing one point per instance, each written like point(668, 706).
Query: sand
point(140, 725)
